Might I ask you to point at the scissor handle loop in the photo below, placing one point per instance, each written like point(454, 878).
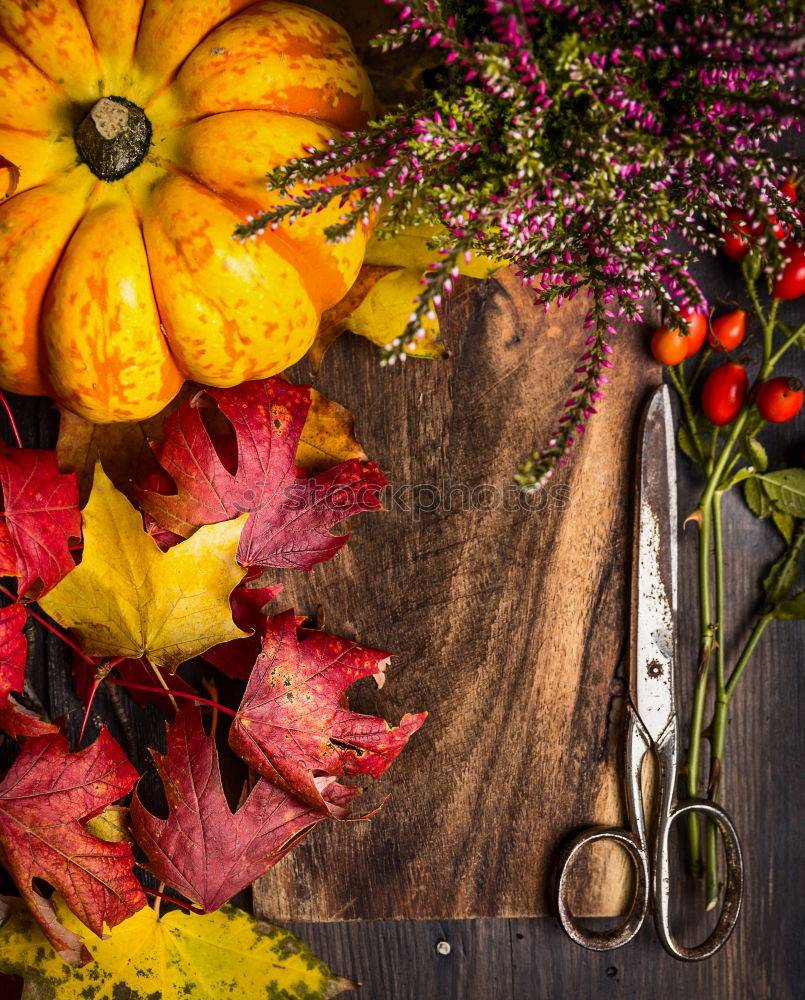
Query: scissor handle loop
point(617, 936)
point(733, 890)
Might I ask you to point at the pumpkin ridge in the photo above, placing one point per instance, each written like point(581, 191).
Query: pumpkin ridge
point(43, 301)
point(292, 253)
point(163, 329)
point(55, 83)
point(168, 82)
point(322, 40)
point(135, 208)
point(130, 66)
point(63, 88)
point(334, 275)
point(107, 348)
point(51, 160)
point(276, 239)
point(41, 348)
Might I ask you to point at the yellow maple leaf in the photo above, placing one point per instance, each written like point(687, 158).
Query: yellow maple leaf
point(128, 598)
point(111, 825)
point(211, 957)
point(381, 301)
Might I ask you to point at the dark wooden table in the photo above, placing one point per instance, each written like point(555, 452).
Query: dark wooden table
point(533, 960)
point(530, 959)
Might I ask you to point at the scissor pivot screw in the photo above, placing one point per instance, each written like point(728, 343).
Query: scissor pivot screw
point(655, 669)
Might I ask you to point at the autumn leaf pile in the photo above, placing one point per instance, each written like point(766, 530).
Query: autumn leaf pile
point(241, 482)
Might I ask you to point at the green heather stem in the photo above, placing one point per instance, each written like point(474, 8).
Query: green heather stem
point(677, 377)
point(718, 726)
point(718, 543)
point(790, 340)
point(705, 357)
point(712, 628)
point(700, 693)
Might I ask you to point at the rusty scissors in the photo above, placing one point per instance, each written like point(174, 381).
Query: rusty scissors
point(651, 726)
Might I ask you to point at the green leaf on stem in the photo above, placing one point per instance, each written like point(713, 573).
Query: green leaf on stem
point(784, 523)
point(780, 579)
point(754, 453)
point(786, 490)
point(753, 426)
point(741, 476)
point(792, 610)
point(686, 443)
point(756, 499)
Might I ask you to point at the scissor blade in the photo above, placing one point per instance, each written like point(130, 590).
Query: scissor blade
point(655, 568)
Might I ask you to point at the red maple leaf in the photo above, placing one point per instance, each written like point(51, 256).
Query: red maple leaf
point(236, 658)
point(21, 723)
point(44, 798)
point(13, 650)
point(8, 555)
point(202, 848)
point(16, 721)
point(292, 725)
point(39, 518)
point(292, 514)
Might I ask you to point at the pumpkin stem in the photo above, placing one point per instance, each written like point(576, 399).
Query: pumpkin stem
point(113, 138)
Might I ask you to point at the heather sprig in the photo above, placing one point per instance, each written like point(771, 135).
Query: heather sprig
point(571, 139)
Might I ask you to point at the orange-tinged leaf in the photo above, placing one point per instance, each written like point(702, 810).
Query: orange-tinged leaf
point(128, 598)
point(336, 319)
point(122, 448)
point(328, 437)
point(44, 799)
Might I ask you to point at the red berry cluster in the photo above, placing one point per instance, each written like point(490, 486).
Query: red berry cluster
point(743, 232)
point(725, 389)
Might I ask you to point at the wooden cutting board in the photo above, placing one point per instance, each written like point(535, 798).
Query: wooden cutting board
point(507, 619)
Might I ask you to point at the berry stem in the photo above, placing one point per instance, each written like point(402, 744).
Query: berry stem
point(10, 414)
point(48, 625)
point(177, 694)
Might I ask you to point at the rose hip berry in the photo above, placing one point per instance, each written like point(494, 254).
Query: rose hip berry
point(724, 392)
point(779, 399)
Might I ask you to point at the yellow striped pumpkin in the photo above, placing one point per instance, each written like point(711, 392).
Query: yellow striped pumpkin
point(143, 130)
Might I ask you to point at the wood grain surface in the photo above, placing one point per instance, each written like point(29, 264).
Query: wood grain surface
point(505, 615)
point(531, 959)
